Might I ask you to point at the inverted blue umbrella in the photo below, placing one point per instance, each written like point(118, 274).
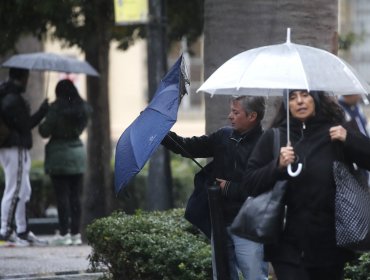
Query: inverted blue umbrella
point(140, 140)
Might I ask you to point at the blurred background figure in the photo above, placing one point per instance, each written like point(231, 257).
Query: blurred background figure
point(65, 158)
point(355, 118)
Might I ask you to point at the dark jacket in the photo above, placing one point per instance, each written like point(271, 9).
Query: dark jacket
point(310, 228)
point(355, 117)
point(17, 115)
point(64, 123)
point(230, 152)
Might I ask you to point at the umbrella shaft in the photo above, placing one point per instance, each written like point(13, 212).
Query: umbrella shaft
point(187, 153)
point(287, 118)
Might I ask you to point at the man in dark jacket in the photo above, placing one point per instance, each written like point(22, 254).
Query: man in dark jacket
point(230, 148)
point(15, 158)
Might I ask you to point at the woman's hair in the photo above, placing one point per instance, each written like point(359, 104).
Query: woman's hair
point(326, 105)
point(72, 103)
point(252, 104)
point(67, 91)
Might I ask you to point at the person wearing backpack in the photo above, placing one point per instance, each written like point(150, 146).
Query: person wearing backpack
point(15, 158)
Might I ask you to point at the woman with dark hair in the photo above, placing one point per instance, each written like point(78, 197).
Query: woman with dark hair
point(65, 158)
point(307, 247)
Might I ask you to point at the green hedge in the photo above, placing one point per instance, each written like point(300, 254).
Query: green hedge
point(149, 246)
point(358, 269)
point(163, 246)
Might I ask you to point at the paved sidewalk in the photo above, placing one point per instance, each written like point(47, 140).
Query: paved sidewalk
point(49, 262)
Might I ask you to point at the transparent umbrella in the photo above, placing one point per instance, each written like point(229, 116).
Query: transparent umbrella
point(275, 69)
point(44, 61)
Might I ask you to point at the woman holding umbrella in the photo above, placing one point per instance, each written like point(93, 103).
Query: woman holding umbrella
point(307, 248)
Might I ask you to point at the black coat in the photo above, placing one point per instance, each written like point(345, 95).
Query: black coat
point(310, 230)
point(230, 152)
point(17, 115)
point(64, 123)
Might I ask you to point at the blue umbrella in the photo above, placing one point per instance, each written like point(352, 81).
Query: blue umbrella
point(140, 140)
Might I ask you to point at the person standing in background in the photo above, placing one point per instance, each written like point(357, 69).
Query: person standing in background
point(354, 113)
point(65, 158)
point(355, 119)
point(15, 158)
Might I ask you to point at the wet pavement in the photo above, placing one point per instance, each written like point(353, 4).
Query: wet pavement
point(48, 262)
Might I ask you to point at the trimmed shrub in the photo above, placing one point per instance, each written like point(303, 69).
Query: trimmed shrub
point(358, 269)
point(149, 246)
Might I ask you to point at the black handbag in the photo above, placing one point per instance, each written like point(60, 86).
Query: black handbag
point(261, 218)
point(352, 209)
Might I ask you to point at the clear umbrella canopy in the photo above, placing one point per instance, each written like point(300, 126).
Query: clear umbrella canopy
point(43, 61)
point(270, 70)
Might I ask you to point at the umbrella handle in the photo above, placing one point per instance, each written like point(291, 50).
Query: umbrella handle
point(295, 173)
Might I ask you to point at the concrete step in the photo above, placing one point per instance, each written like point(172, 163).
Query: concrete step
point(73, 276)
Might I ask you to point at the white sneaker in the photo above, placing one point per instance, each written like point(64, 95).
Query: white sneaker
point(15, 241)
point(61, 240)
point(32, 239)
point(76, 239)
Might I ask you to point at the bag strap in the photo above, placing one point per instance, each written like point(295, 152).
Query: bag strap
point(276, 142)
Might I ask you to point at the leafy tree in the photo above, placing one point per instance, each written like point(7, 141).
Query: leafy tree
point(90, 26)
point(18, 18)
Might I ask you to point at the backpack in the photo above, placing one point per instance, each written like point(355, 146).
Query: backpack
point(4, 129)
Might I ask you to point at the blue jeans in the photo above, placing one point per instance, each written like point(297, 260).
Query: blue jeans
point(245, 256)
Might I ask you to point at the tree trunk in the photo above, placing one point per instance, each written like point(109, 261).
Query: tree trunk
point(98, 190)
point(232, 27)
point(159, 184)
